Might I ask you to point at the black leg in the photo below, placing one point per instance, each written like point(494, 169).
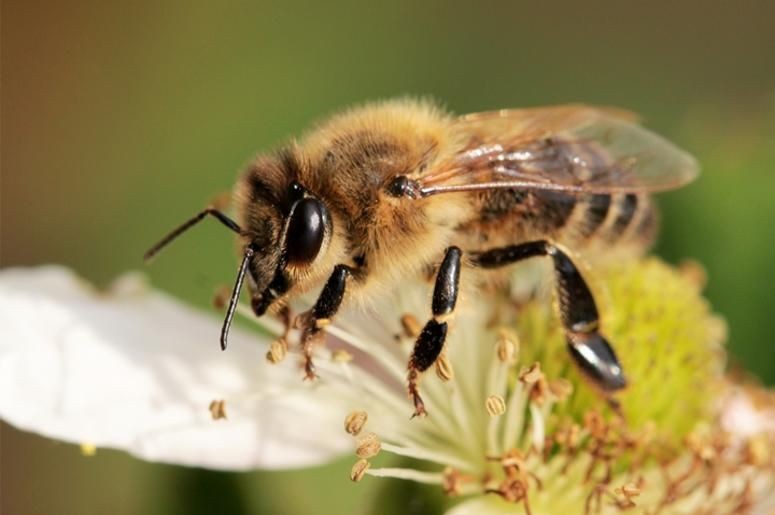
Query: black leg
point(431, 340)
point(589, 349)
point(313, 321)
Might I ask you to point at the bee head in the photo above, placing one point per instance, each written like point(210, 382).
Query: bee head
point(282, 260)
point(287, 229)
point(283, 232)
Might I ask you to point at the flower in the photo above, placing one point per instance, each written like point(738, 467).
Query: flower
point(510, 423)
point(133, 369)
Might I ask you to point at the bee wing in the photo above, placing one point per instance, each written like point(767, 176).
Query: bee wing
point(565, 148)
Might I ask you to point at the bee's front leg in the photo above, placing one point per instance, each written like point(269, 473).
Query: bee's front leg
point(429, 344)
point(313, 321)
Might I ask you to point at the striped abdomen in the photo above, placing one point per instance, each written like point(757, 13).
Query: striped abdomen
point(597, 222)
point(602, 220)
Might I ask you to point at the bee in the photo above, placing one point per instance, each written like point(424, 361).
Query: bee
point(391, 190)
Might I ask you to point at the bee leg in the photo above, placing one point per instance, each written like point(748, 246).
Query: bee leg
point(588, 348)
point(313, 321)
point(430, 342)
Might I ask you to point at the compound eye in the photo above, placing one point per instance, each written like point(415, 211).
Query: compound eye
point(305, 231)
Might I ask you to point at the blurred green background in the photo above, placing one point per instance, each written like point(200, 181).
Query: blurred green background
point(121, 119)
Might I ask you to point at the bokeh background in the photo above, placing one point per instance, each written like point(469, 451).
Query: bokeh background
point(120, 119)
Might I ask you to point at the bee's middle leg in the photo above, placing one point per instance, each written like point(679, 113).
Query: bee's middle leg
point(430, 342)
point(313, 321)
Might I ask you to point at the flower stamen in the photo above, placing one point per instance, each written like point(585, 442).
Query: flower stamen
point(355, 421)
point(410, 325)
point(359, 470)
point(495, 405)
point(580, 447)
point(444, 369)
point(218, 409)
point(369, 446)
point(278, 349)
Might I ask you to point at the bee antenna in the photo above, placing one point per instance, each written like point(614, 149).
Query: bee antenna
point(235, 296)
point(225, 220)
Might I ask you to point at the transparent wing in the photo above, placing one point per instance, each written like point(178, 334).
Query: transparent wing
point(566, 148)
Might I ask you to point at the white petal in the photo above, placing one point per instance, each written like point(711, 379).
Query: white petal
point(136, 370)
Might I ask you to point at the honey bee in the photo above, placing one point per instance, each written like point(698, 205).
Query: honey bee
point(391, 190)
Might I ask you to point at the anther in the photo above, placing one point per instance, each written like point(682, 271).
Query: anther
point(277, 351)
point(513, 459)
point(355, 421)
point(507, 348)
point(568, 437)
point(450, 481)
point(539, 391)
point(532, 374)
point(88, 449)
point(410, 326)
point(536, 383)
point(341, 356)
point(495, 405)
point(444, 368)
point(628, 490)
point(221, 298)
point(368, 446)
point(560, 389)
point(359, 470)
point(218, 409)
point(514, 490)
point(594, 423)
point(694, 272)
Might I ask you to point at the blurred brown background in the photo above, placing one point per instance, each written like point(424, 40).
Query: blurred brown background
point(121, 119)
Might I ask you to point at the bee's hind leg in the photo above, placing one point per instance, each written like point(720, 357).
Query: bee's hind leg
point(578, 312)
point(430, 342)
point(313, 321)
